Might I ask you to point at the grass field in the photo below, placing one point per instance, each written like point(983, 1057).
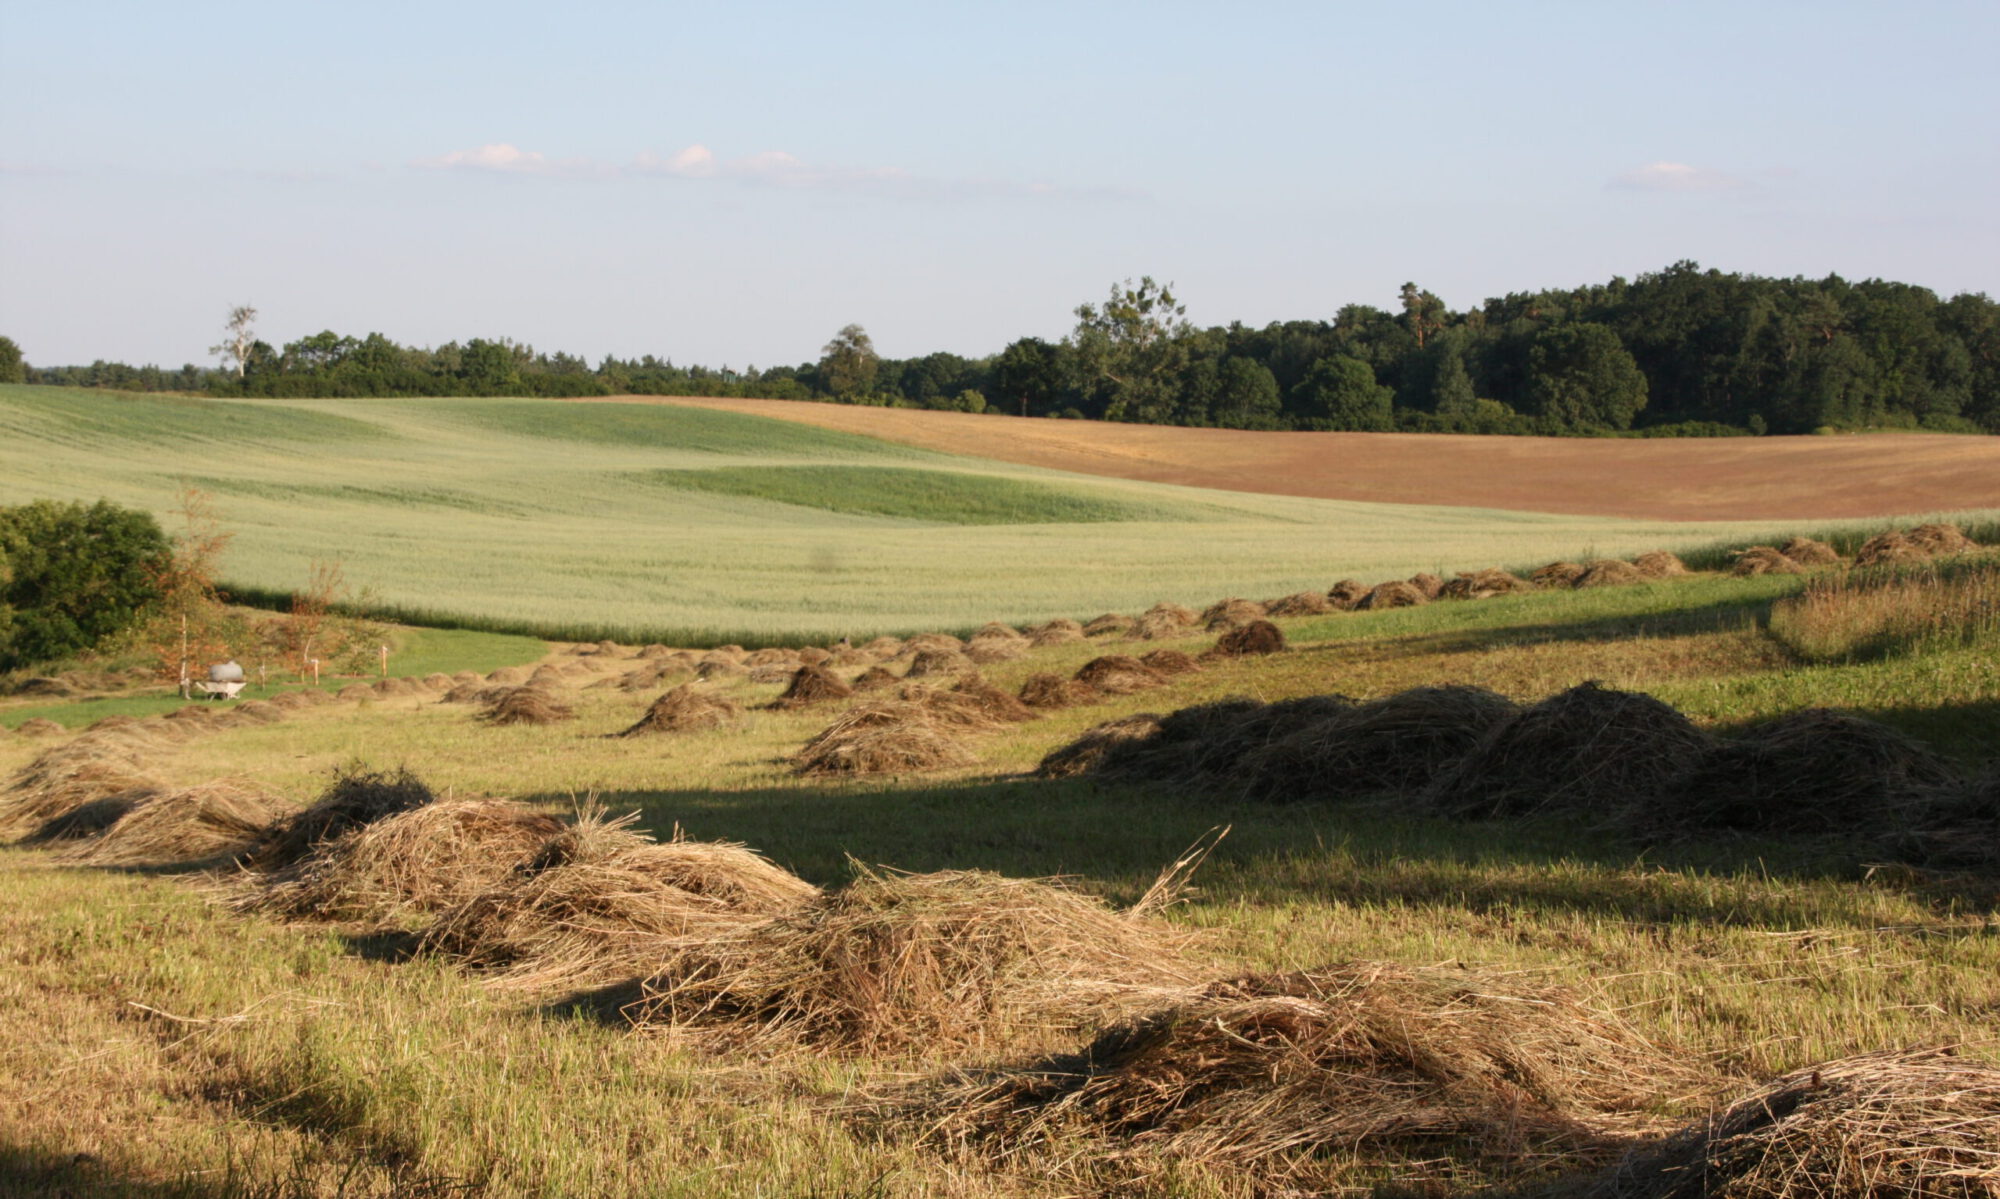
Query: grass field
point(203, 1054)
point(645, 522)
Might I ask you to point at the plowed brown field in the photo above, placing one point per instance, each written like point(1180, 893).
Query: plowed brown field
point(1743, 478)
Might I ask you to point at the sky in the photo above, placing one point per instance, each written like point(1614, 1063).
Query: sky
point(732, 184)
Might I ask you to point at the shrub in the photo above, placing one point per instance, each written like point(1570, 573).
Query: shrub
point(71, 575)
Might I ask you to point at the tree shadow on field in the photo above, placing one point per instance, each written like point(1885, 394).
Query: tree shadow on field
point(1721, 616)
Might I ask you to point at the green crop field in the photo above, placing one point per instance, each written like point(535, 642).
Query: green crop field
point(644, 522)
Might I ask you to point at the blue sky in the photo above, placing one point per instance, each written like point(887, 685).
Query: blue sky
point(730, 184)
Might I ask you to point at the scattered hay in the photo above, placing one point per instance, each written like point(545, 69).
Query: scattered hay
point(527, 705)
point(357, 797)
point(1813, 771)
point(1586, 749)
point(40, 726)
point(1269, 1071)
point(1484, 584)
point(1054, 691)
point(1347, 594)
point(1938, 540)
point(1170, 662)
point(211, 822)
point(1394, 594)
point(1111, 624)
point(932, 662)
point(893, 962)
point(889, 736)
point(1659, 564)
point(686, 708)
point(426, 859)
point(1088, 752)
point(1885, 549)
point(1609, 572)
point(986, 651)
point(648, 676)
point(1257, 637)
point(1807, 552)
point(1903, 1124)
point(1230, 614)
point(993, 704)
point(876, 678)
point(1427, 583)
point(1763, 560)
point(812, 685)
point(1304, 603)
point(1556, 574)
point(1118, 674)
point(1395, 744)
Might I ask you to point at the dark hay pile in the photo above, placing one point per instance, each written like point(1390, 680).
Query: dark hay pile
point(195, 825)
point(986, 651)
point(357, 797)
point(875, 678)
point(1170, 661)
point(40, 726)
point(1813, 771)
point(600, 903)
point(1111, 624)
point(1903, 1124)
point(1483, 584)
point(885, 736)
point(1257, 637)
point(1206, 745)
point(526, 705)
point(1556, 574)
point(895, 962)
point(812, 685)
point(929, 663)
point(423, 860)
point(1807, 552)
point(1231, 613)
point(1427, 583)
point(1054, 691)
point(1347, 594)
point(1394, 594)
point(1590, 749)
point(90, 819)
point(1955, 826)
point(1060, 631)
point(1395, 744)
point(1763, 560)
point(992, 703)
point(1118, 674)
point(1608, 572)
point(684, 709)
point(1304, 603)
point(1938, 540)
point(1887, 549)
point(1268, 1072)
point(1088, 752)
point(1659, 564)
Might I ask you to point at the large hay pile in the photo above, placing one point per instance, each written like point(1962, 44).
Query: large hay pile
point(1938, 540)
point(1268, 1071)
point(1556, 574)
point(1763, 560)
point(1394, 594)
point(422, 860)
point(601, 903)
point(1807, 552)
point(1394, 744)
point(1955, 826)
point(1046, 690)
point(1588, 749)
point(812, 685)
point(1304, 603)
point(1347, 594)
point(1608, 572)
point(885, 736)
point(1090, 751)
point(1230, 614)
point(527, 705)
point(1256, 637)
point(64, 778)
point(1812, 771)
point(1208, 744)
point(1427, 583)
point(195, 825)
point(893, 962)
point(357, 796)
point(1659, 564)
point(1909, 1124)
point(1118, 674)
point(685, 708)
point(1887, 549)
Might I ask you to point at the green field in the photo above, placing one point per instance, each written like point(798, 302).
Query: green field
point(645, 522)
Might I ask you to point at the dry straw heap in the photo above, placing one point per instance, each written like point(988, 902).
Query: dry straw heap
point(357, 797)
point(687, 707)
point(1394, 744)
point(208, 824)
point(812, 685)
point(527, 705)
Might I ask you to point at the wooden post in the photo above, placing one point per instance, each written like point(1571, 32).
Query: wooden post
point(385, 660)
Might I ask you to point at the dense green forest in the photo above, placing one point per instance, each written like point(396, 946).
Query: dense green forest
point(1684, 351)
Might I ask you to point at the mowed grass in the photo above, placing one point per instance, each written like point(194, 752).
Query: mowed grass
point(204, 1054)
point(551, 518)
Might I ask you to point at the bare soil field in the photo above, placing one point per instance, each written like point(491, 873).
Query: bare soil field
point(1746, 478)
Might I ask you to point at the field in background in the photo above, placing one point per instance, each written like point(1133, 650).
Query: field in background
point(660, 522)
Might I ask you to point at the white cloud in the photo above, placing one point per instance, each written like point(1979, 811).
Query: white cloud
point(1674, 177)
point(499, 156)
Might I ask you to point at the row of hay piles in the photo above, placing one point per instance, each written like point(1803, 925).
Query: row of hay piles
point(1269, 1072)
point(1204, 743)
point(1900, 1124)
point(687, 707)
point(1914, 545)
point(213, 822)
point(530, 704)
point(897, 962)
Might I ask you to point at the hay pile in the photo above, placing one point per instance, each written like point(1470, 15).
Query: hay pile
point(1257, 637)
point(356, 692)
point(1807, 552)
point(1060, 631)
point(1813, 771)
point(1588, 749)
point(992, 704)
point(357, 797)
point(40, 726)
point(1347, 594)
point(1608, 572)
point(396, 686)
point(1556, 574)
point(600, 903)
point(1269, 1071)
point(1304, 603)
point(1938, 540)
point(897, 962)
point(883, 648)
point(1208, 744)
point(1955, 826)
point(90, 819)
point(1907, 1124)
point(1111, 624)
point(1230, 614)
point(422, 860)
point(471, 693)
point(875, 678)
point(1427, 583)
point(773, 656)
point(713, 667)
point(685, 708)
point(812, 685)
point(985, 651)
point(64, 778)
point(1166, 612)
point(1046, 690)
point(1170, 661)
point(1118, 674)
point(1482, 584)
point(1394, 744)
point(1394, 594)
point(1887, 549)
point(212, 822)
point(884, 736)
point(1159, 626)
point(1763, 560)
point(1659, 564)
point(931, 662)
point(526, 705)
point(1088, 753)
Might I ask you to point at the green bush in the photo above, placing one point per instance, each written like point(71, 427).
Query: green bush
point(71, 575)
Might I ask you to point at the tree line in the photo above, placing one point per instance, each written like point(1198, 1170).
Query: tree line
point(1677, 352)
